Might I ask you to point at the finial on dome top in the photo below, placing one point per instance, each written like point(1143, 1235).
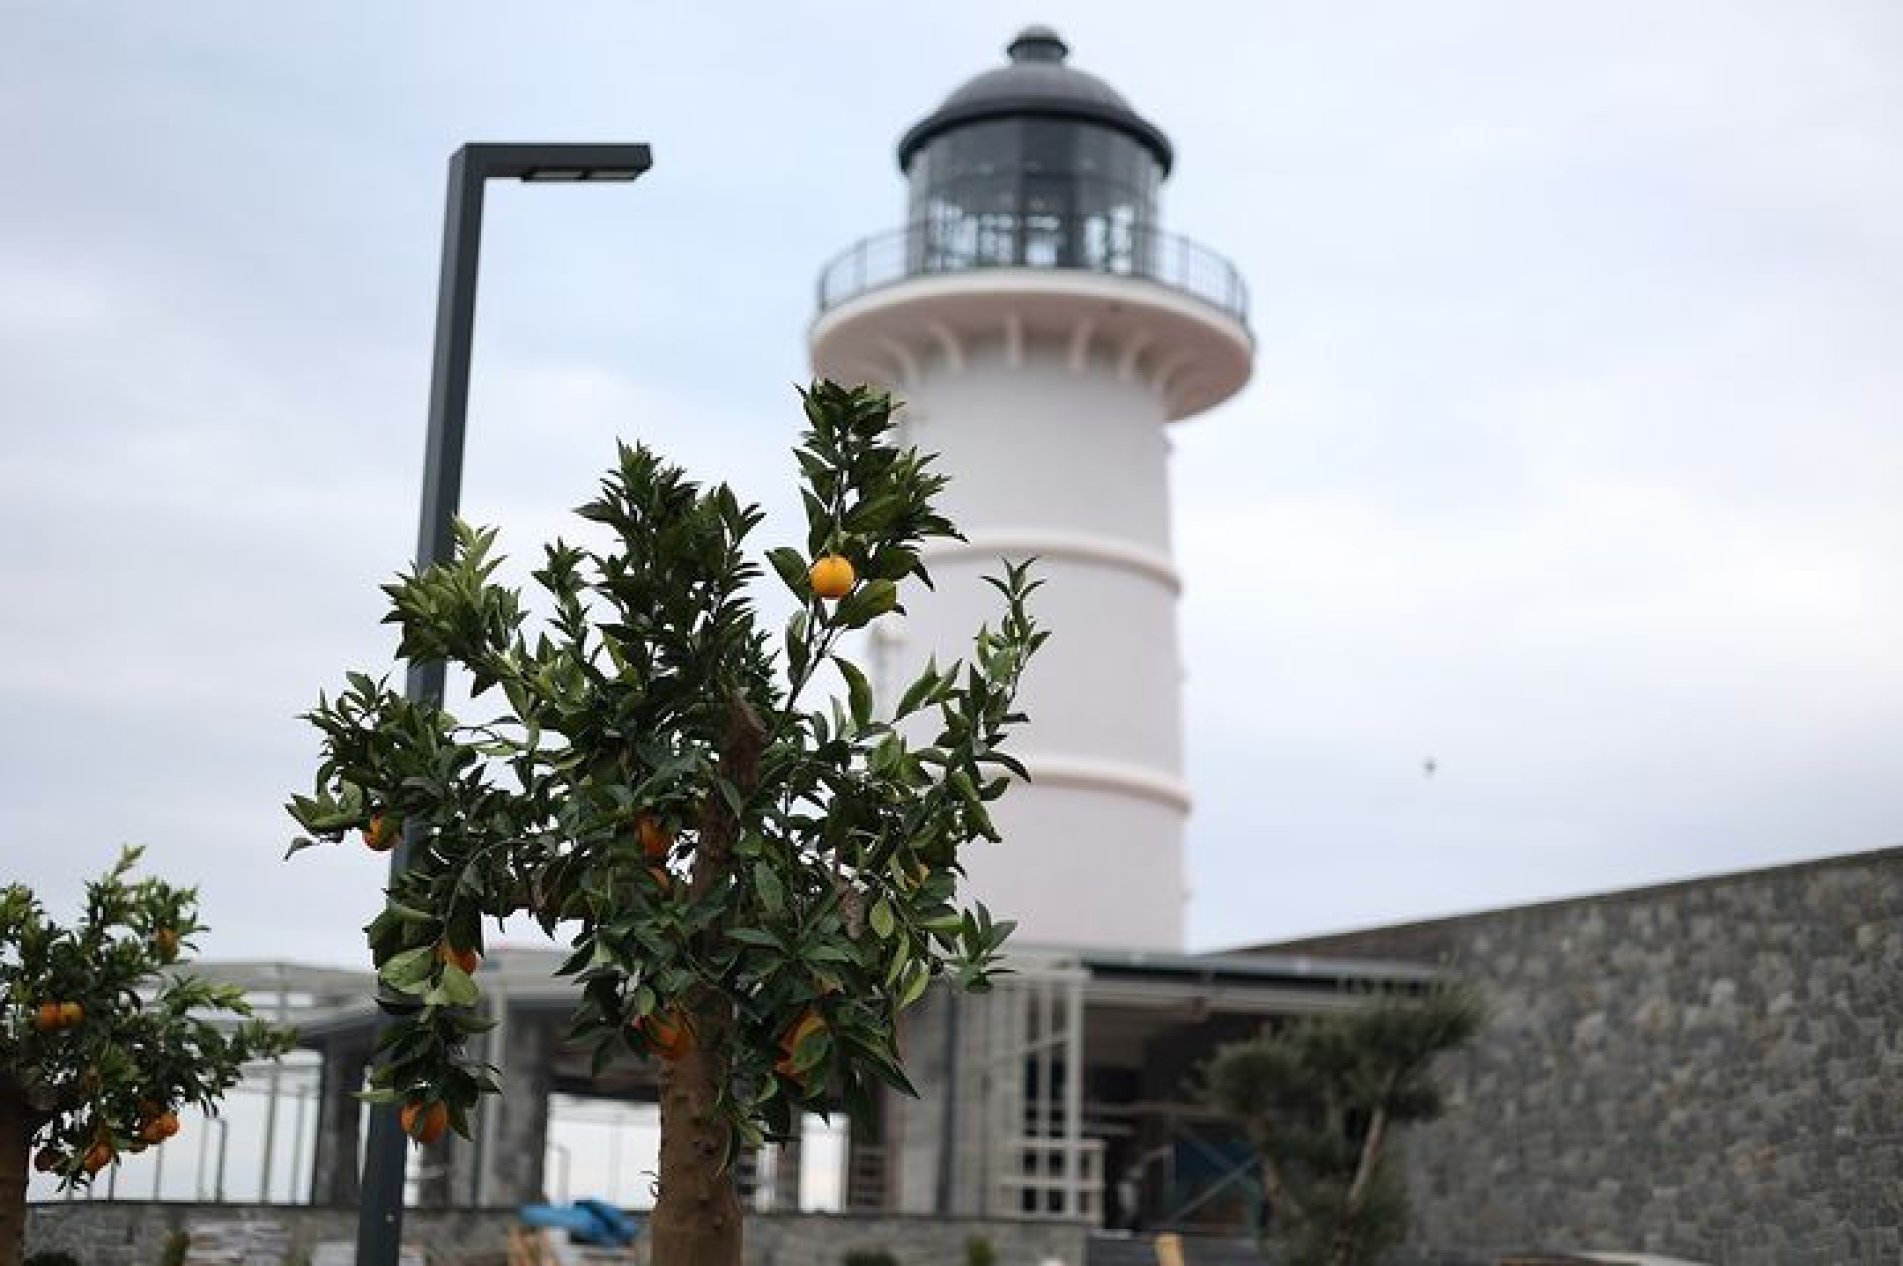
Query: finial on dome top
point(1038, 44)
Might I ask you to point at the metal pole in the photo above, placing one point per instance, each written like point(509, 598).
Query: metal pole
point(496, 1048)
point(297, 1145)
point(380, 1213)
point(1074, 1097)
point(204, 1148)
point(158, 1171)
point(271, 1100)
point(948, 1116)
point(224, 1139)
point(614, 1162)
point(1045, 1025)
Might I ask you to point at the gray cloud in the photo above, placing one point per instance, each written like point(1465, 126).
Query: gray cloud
point(1570, 461)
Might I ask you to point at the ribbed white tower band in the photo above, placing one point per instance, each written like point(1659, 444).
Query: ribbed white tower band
point(1043, 332)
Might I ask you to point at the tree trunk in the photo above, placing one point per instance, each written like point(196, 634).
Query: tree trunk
point(697, 1220)
point(1347, 1227)
point(18, 1124)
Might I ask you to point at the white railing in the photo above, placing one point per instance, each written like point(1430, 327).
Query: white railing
point(1054, 1178)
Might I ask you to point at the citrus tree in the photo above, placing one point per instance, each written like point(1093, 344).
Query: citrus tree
point(103, 1038)
point(755, 874)
point(1320, 1101)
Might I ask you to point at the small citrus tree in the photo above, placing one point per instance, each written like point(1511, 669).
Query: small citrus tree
point(754, 884)
point(103, 1038)
point(1320, 1100)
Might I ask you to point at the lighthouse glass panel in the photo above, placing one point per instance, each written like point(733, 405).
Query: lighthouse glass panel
point(1033, 193)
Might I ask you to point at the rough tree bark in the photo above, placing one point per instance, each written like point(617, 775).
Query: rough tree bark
point(697, 1218)
point(18, 1124)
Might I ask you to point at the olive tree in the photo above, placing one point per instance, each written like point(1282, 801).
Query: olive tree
point(755, 870)
point(1320, 1100)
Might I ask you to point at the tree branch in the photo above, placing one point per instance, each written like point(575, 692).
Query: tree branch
point(1280, 1197)
point(1341, 1252)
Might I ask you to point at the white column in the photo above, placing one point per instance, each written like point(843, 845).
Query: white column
point(1065, 459)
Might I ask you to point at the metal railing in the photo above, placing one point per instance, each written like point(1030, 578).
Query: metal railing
point(1084, 244)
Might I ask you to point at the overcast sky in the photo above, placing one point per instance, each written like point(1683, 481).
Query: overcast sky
point(1571, 462)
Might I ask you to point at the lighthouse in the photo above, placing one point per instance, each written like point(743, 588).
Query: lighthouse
point(1043, 331)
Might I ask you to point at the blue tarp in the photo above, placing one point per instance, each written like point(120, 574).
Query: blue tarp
point(586, 1221)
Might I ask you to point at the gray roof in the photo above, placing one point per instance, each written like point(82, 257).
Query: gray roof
point(1037, 84)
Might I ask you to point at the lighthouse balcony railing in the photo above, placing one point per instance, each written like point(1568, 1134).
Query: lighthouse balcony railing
point(1084, 244)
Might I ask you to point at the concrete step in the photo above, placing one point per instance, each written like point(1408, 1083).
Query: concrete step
point(1120, 1250)
point(1140, 1250)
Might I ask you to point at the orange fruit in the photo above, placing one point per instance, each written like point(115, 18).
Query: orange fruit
point(467, 959)
point(71, 1015)
point(381, 834)
point(668, 1035)
point(165, 944)
point(49, 1016)
point(170, 1121)
point(656, 840)
point(425, 1123)
point(832, 576)
point(98, 1156)
point(661, 877)
point(810, 1022)
point(153, 1131)
point(48, 1159)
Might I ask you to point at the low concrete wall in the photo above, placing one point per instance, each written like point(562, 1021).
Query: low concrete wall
point(822, 1240)
point(132, 1233)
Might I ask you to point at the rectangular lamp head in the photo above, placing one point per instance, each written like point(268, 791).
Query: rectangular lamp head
point(555, 163)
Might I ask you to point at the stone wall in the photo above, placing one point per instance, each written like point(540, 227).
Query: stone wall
point(132, 1233)
point(1710, 1070)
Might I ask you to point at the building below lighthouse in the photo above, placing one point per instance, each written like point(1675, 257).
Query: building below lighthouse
point(1043, 330)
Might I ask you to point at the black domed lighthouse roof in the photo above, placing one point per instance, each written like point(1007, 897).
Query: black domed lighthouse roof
point(1039, 85)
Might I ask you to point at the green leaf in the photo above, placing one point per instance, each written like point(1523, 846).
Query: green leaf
point(858, 691)
point(411, 969)
point(917, 977)
point(882, 920)
point(872, 599)
point(921, 691)
point(455, 989)
point(767, 884)
point(790, 564)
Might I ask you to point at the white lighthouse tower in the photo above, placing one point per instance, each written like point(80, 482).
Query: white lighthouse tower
point(1044, 330)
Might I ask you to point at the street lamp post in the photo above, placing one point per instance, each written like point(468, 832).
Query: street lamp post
point(380, 1213)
